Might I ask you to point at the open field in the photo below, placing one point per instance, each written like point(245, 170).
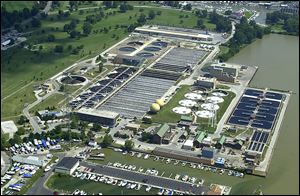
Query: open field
point(17, 5)
point(166, 114)
point(49, 102)
point(65, 183)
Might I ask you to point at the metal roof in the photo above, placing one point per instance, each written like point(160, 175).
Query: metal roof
point(67, 163)
point(200, 136)
point(186, 118)
point(163, 129)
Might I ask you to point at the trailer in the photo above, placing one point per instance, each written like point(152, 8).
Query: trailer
point(44, 143)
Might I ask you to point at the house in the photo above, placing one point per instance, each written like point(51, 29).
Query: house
point(158, 136)
point(67, 165)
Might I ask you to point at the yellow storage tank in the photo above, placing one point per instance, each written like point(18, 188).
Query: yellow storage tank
point(155, 107)
point(160, 102)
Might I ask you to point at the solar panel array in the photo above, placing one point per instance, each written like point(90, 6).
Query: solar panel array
point(257, 109)
point(258, 141)
point(101, 88)
point(135, 98)
point(179, 59)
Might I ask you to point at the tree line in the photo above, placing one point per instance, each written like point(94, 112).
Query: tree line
point(245, 33)
point(290, 21)
point(9, 19)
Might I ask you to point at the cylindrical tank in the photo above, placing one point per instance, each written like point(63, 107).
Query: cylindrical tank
point(160, 102)
point(155, 107)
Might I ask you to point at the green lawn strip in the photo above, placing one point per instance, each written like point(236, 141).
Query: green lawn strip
point(221, 86)
point(17, 5)
point(66, 183)
point(166, 114)
point(248, 14)
point(49, 102)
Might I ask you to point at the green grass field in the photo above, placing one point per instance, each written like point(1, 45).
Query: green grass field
point(248, 14)
point(166, 114)
point(50, 101)
point(65, 183)
point(17, 5)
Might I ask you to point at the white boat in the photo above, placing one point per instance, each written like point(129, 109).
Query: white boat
point(146, 156)
point(138, 187)
point(148, 188)
point(128, 185)
point(133, 185)
point(139, 155)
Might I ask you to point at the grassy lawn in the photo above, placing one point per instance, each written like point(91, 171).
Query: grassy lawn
point(13, 105)
point(166, 114)
point(65, 183)
point(204, 123)
point(248, 14)
point(277, 28)
point(231, 134)
point(50, 101)
point(223, 50)
point(17, 5)
point(221, 86)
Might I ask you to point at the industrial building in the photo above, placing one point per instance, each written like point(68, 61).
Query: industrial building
point(205, 82)
point(223, 71)
point(161, 131)
point(208, 152)
point(185, 121)
point(98, 116)
point(220, 142)
point(31, 160)
point(128, 60)
point(199, 139)
point(189, 34)
point(188, 144)
point(9, 127)
point(132, 126)
point(67, 165)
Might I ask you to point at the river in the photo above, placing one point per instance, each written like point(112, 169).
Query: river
point(277, 57)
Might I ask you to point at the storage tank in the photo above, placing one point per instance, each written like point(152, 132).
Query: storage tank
point(160, 102)
point(155, 108)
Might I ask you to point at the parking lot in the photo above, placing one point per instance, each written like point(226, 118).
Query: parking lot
point(149, 179)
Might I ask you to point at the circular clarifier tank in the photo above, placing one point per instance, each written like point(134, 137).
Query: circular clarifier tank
point(73, 80)
point(135, 43)
point(127, 49)
point(181, 110)
point(210, 106)
point(205, 114)
point(152, 49)
point(215, 99)
point(187, 103)
point(160, 43)
point(220, 93)
point(145, 54)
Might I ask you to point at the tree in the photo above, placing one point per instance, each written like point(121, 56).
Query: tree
point(142, 19)
point(228, 12)
point(87, 28)
point(146, 136)
point(35, 22)
point(22, 120)
point(128, 145)
point(4, 141)
point(96, 127)
point(107, 140)
point(188, 7)
point(59, 48)
point(51, 38)
point(151, 14)
point(100, 67)
point(21, 131)
point(200, 24)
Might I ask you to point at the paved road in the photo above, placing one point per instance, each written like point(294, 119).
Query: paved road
point(152, 180)
point(5, 162)
point(38, 187)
